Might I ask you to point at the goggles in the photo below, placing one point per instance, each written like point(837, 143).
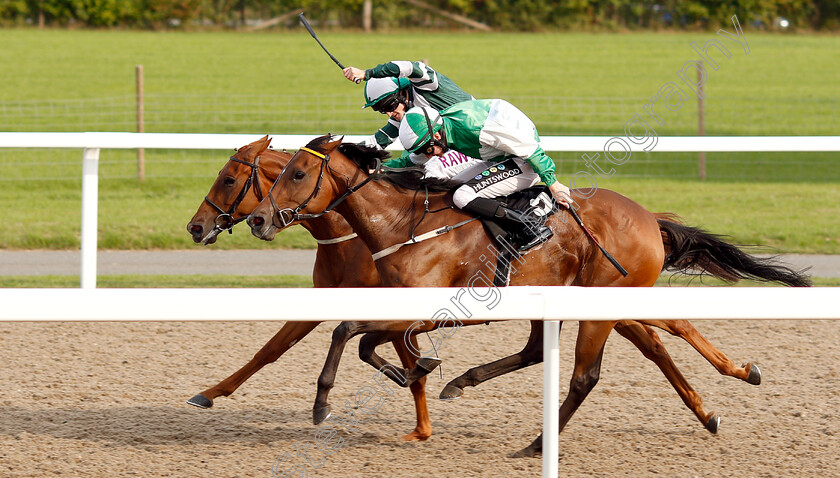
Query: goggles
point(387, 105)
point(427, 149)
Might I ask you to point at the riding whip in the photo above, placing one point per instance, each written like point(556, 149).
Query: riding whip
point(589, 234)
point(308, 27)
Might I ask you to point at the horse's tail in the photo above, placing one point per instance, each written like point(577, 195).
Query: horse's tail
point(693, 250)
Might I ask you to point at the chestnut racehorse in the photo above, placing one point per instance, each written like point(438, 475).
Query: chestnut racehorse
point(236, 192)
point(347, 263)
point(344, 262)
point(327, 174)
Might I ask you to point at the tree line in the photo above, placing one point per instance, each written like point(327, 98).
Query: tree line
point(502, 15)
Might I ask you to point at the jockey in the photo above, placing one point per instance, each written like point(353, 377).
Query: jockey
point(507, 142)
point(392, 89)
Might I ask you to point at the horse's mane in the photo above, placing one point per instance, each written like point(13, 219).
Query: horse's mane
point(365, 157)
point(413, 178)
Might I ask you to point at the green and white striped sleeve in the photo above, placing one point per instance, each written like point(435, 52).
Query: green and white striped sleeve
point(403, 161)
point(385, 136)
point(422, 77)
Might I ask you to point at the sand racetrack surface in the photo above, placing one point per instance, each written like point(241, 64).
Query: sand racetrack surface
point(108, 399)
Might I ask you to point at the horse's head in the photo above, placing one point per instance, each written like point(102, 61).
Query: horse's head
point(317, 177)
point(237, 190)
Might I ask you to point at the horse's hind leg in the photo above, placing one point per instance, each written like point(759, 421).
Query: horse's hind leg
point(589, 350)
point(423, 430)
point(403, 377)
point(647, 341)
point(749, 373)
point(283, 340)
point(529, 355)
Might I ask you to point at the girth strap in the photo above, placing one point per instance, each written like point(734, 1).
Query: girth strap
point(420, 238)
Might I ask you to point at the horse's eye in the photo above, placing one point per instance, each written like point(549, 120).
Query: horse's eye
point(299, 175)
point(230, 181)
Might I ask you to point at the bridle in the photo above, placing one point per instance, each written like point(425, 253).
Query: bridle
point(225, 220)
point(288, 216)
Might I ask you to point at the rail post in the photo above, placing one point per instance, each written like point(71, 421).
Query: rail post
point(551, 397)
point(90, 203)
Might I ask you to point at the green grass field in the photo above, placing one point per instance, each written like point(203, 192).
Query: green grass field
point(788, 217)
point(574, 83)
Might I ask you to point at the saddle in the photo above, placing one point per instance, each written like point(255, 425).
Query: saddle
point(534, 203)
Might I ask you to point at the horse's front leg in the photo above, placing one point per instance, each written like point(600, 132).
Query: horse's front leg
point(749, 373)
point(531, 354)
point(647, 341)
point(341, 335)
point(283, 340)
point(589, 350)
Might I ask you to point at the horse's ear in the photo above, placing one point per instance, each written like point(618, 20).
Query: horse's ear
point(262, 144)
point(330, 146)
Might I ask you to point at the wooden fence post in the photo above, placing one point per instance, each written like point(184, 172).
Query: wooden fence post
point(367, 13)
point(141, 153)
point(701, 126)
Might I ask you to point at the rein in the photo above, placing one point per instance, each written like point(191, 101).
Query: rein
point(287, 218)
point(225, 220)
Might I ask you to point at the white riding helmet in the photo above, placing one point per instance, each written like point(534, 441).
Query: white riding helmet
point(415, 126)
point(377, 89)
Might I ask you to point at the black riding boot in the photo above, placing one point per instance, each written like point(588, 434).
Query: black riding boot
point(530, 231)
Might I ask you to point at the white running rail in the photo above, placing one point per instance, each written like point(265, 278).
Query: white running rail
point(550, 304)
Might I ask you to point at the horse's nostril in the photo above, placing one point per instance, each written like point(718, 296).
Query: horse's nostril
point(196, 229)
point(257, 221)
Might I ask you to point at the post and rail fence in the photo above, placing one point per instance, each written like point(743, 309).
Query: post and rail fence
point(551, 304)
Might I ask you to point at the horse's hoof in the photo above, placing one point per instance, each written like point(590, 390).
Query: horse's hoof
point(200, 401)
point(321, 414)
point(527, 452)
point(417, 436)
point(428, 363)
point(755, 375)
point(451, 392)
point(713, 424)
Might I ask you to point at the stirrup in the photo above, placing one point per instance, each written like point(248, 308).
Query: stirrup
point(532, 239)
point(530, 232)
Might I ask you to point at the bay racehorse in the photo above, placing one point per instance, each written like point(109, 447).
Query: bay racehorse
point(328, 175)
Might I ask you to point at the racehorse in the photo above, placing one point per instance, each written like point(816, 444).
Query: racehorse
point(342, 261)
point(235, 193)
point(327, 174)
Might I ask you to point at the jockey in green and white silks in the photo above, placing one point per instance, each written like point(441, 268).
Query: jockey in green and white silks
point(406, 83)
point(392, 89)
point(504, 139)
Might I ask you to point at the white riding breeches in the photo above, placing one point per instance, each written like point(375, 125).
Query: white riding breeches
point(491, 180)
point(447, 165)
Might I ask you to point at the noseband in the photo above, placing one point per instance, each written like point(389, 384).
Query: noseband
point(225, 221)
point(288, 216)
